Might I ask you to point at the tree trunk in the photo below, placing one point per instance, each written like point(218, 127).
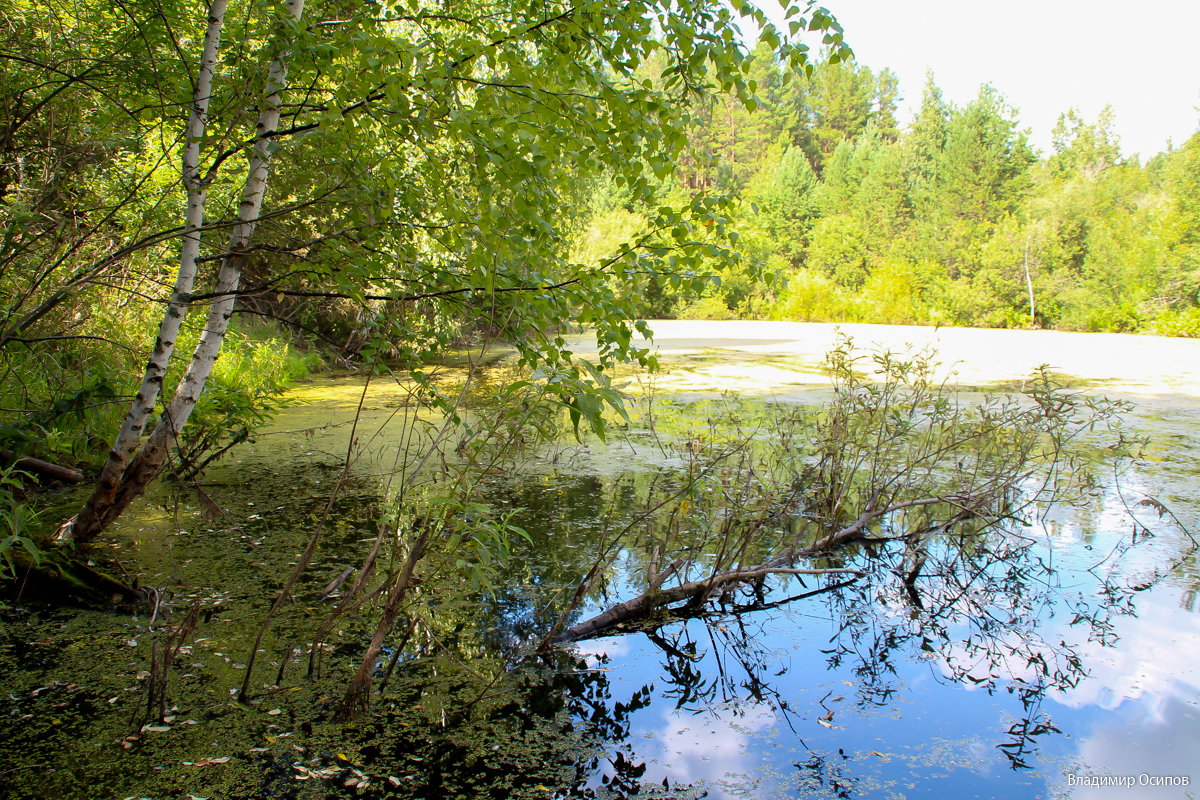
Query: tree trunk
point(1029, 284)
point(62, 578)
point(124, 477)
point(46, 469)
point(91, 518)
point(698, 592)
point(358, 693)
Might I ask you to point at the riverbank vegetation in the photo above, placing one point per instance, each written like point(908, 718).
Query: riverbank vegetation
point(272, 190)
point(408, 213)
point(389, 621)
point(390, 183)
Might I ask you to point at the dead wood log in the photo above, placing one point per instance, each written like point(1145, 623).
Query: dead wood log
point(60, 577)
point(695, 592)
point(698, 592)
point(45, 468)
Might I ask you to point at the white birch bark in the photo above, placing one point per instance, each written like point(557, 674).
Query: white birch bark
point(83, 525)
point(149, 460)
point(230, 275)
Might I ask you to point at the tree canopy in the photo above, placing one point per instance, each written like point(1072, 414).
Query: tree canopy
point(391, 180)
point(954, 219)
point(383, 176)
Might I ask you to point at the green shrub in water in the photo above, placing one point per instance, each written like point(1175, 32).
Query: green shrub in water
point(15, 517)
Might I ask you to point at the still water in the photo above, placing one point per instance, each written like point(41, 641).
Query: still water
point(1083, 693)
point(1068, 668)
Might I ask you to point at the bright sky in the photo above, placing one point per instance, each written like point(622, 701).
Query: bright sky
point(1044, 56)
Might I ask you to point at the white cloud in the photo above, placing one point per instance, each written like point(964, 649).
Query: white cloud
point(1154, 661)
point(711, 747)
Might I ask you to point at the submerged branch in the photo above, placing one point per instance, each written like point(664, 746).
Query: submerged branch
point(698, 592)
point(695, 592)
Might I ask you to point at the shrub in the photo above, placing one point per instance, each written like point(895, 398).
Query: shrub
point(811, 297)
point(14, 520)
point(245, 391)
point(1178, 322)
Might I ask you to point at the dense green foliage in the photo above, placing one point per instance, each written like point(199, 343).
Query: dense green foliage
point(14, 519)
point(442, 176)
point(939, 223)
point(428, 174)
point(499, 172)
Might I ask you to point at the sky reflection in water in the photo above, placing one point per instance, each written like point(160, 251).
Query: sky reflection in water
point(747, 720)
point(845, 695)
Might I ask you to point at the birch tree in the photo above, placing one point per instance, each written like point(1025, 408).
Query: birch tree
point(91, 518)
point(129, 470)
point(440, 156)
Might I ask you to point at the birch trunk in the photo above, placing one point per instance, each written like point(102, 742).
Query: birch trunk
point(86, 524)
point(131, 476)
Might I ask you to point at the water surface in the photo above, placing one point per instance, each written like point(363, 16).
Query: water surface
point(1067, 663)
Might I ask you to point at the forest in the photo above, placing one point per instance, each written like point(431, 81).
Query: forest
point(204, 207)
point(952, 219)
point(409, 212)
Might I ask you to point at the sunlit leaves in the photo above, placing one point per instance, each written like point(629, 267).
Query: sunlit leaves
point(431, 164)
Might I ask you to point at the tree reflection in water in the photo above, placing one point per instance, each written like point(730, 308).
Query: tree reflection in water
point(988, 613)
point(548, 726)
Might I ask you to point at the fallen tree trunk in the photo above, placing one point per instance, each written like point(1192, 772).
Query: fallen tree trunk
point(698, 592)
point(59, 577)
point(45, 468)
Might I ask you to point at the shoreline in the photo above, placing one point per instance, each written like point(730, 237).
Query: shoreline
point(1139, 364)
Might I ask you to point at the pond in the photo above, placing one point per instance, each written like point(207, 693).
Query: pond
point(1067, 666)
